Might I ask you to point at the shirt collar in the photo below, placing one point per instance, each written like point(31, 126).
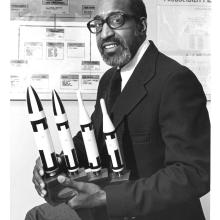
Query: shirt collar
point(128, 69)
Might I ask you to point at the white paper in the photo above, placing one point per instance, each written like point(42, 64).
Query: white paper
point(40, 81)
point(55, 50)
point(33, 50)
point(89, 82)
point(75, 50)
point(55, 7)
point(183, 34)
point(18, 75)
point(91, 65)
point(69, 82)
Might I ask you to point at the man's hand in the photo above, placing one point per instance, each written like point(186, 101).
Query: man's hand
point(37, 179)
point(88, 195)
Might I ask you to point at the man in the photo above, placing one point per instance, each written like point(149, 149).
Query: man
point(161, 121)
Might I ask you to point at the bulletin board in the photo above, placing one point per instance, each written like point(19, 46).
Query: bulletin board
point(54, 49)
point(60, 58)
point(45, 9)
point(183, 34)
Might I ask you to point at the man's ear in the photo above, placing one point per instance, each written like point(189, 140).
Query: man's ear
point(142, 25)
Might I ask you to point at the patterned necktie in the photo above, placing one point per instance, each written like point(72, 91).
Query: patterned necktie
point(115, 88)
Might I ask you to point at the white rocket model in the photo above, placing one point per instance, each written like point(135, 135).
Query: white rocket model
point(41, 133)
point(111, 140)
point(89, 138)
point(64, 133)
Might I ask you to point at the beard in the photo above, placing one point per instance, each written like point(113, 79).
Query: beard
point(115, 59)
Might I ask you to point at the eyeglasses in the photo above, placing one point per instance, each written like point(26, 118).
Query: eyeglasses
point(114, 21)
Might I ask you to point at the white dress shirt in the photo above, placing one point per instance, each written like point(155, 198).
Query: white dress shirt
point(128, 69)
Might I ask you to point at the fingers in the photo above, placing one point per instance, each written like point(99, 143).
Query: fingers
point(41, 192)
point(64, 180)
point(71, 183)
point(37, 178)
point(39, 166)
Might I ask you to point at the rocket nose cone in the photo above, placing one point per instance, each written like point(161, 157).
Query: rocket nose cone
point(103, 106)
point(53, 103)
point(57, 104)
point(30, 110)
point(33, 100)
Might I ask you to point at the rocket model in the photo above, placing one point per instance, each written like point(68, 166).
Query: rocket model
point(111, 140)
point(41, 133)
point(65, 134)
point(89, 138)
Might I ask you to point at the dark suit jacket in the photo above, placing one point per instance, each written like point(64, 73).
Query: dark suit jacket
point(163, 129)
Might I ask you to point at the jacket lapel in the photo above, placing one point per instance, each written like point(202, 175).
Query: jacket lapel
point(135, 89)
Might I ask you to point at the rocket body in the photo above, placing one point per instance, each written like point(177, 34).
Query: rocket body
point(41, 132)
point(88, 137)
point(64, 133)
point(111, 140)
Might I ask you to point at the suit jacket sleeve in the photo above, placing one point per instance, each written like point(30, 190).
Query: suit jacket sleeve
point(184, 125)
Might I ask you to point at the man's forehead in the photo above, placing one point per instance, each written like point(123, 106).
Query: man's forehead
point(106, 7)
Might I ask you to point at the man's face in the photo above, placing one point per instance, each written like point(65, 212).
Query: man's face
point(117, 46)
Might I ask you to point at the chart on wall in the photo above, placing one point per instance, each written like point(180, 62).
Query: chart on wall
point(58, 58)
point(183, 34)
point(43, 9)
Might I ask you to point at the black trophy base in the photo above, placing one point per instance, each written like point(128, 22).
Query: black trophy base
point(100, 178)
point(119, 177)
point(56, 192)
point(105, 178)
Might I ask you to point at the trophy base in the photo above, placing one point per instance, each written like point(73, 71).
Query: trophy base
point(80, 176)
point(119, 177)
point(101, 178)
point(56, 192)
point(105, 178)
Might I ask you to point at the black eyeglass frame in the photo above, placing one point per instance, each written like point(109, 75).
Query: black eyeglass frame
point(106, 20)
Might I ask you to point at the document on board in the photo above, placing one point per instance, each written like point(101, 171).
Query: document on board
point(89, 82)
point(18, 75)
point(55, 6)
point(40, 81)
point(69, 82)
point(183, 34)
point(55, 33)
point(33, 50)
point(91, 65)
point(75, 50)
point(55, 50)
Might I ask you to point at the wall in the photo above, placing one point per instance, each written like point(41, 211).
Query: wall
point(24, 154)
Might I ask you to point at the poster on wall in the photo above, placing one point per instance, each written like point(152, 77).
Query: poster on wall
point(43, 10)
point(18, 76)
point(56, 58)
point(33, 50)
point(55, 7)
point(55, 50)
point(183, 33)
point(69, 81)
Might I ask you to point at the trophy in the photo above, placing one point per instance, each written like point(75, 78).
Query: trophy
point(69, 166)
point(119, 173)
point(56, 193)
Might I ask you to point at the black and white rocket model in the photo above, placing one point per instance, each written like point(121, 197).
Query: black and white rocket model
point(111, 140)
point(89, 138)
point(41, 133)
point(64, 133)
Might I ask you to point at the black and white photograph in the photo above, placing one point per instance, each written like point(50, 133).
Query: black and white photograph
point(112, 111)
